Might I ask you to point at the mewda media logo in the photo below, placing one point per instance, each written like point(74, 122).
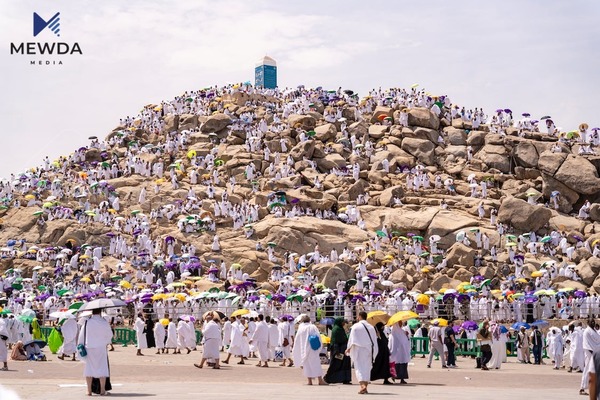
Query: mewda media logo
point(39, 24)
point(46, 53)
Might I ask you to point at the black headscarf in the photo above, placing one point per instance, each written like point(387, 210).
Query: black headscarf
point(338, 335)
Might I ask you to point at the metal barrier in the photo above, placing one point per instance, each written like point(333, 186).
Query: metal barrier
point(467, 347)
point(124, 336)
point(46, 330)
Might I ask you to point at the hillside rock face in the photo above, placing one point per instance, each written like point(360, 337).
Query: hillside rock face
point(350, 175)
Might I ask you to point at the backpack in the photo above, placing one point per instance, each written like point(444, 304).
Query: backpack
point(315, 342)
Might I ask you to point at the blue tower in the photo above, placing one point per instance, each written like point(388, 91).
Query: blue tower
point(265, 73)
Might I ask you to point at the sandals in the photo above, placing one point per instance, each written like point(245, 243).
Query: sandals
point(4, 369)
point(363, 391)
point(583, 392)
point(198, 366)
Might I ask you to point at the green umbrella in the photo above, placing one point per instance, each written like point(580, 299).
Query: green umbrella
point(295, 297)
point(189, 99)
point(413, 323)
point(17, 286)
point(425, 254)
point(116, 278)
point(419, 238)
point(272, 244)
point(219, 162)
point(76, 306)
point(25, 318)
point(136, 212)
point(276, 204)
point(311, 133)
point(486, 282)
point(42, 287)
point(5, 311)
point(381, 233)
point(545, 239)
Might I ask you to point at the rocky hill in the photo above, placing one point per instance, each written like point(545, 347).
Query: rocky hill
point(325, 134)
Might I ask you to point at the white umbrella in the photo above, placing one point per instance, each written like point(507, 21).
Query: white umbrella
point(448, 182)
point(387, 283)
point(471, 177)
point(62, 315)
point(460, 236)
point(37, 268)
point(102, 303)
point(435, 238)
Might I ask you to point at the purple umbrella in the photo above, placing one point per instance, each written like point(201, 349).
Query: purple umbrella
point(456, 328)
point(530, 299)
point(253, 298)
point(448, 296)
point(580, 293)
point(278, 297)
point(470, 326)
point(508, 110)
point(375, 294)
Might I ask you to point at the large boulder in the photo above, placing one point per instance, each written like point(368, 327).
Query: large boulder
point(423, 117)
point(379, 112)
point(526, 154)
point(443, 281)
point(459, 254)
point(326, 132)
point(522, 215)
point(456, 137)
point(303, 149)
point(188, 121)
point(549, 162)
point(386, 198)
point(215, 123)
point(579, 174)
point(305, 122)
point(171, 123)
point(378, 131)
point(494, 156)
point(422, 149)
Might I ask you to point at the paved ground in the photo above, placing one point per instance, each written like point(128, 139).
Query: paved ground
point(173, 377)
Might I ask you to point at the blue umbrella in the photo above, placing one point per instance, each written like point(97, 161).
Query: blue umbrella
point(503, 329)
point(540, 324)
point(518, 325)
point(327, 321)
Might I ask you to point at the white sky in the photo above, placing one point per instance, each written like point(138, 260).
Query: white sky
point(531, 56)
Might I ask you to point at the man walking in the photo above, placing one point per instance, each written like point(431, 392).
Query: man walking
point(362, 348)
point(436, 336)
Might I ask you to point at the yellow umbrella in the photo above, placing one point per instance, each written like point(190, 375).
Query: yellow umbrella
point(536, 274)
point(191, 154)
point(125, 284)
point(29, 197)
point(389, 257)
point(325, 339)
point(236, 266)
point(86, 279)
point(164, 322)
point(440, 321)
point(371, 253)
point(522, 280)
point(242, 311)
point(423, 299)
point(377, 316)
point(402, 316)
point(425, 270)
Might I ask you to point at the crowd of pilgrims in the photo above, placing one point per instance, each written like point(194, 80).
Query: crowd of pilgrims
point(73, 188)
